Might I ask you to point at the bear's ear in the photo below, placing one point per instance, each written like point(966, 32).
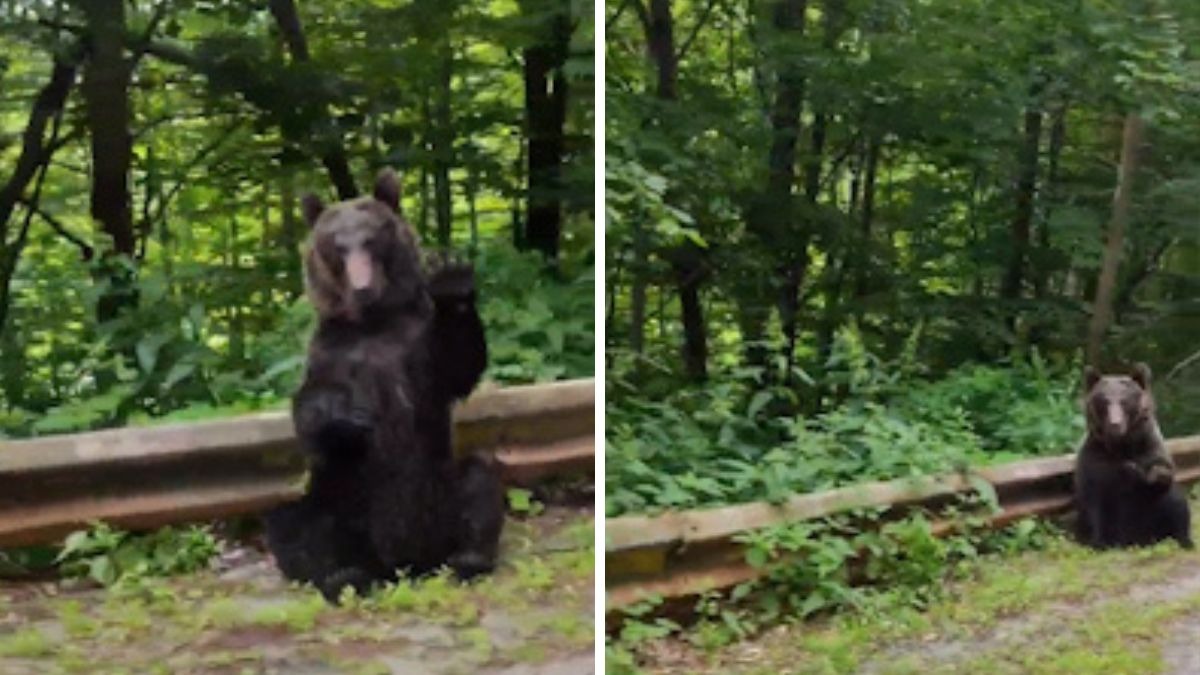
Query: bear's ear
point(1090, 377)
point(312, 206)
point(1141, 375)
point(387, 189)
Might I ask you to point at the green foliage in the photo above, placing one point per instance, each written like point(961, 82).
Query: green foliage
point(229, 130)
point(712, 445)
point(522, 503)
point(538, 327)
point(870, 248)
point(113, 557)
point(855, 565)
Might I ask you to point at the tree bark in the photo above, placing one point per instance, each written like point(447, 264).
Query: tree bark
point(545, 121)
point(867, 218)
point(1027, 175)
point(1131, 142)
point(36, 151)
point(330, 148)
point(443, 147)
point(106, 80)
point(1058, 136)
point(637, 294)
point(686, 259)
point(772, 219)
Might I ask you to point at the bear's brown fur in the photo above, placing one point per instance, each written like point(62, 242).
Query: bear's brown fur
point(1125, 490)
point(393, 349)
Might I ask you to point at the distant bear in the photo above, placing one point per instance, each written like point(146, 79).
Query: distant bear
point(393, 349)
point(1125, 491)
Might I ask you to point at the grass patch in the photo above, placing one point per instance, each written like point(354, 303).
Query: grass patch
point(28, 643)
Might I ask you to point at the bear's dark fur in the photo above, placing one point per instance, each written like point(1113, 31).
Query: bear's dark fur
point(1125, 491)
point(393, 349)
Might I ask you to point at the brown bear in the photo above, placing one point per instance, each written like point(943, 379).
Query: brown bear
point(393, 348)
point(1125, 491)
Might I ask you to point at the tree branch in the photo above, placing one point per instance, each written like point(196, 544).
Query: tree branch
point(1182, 365)
point(643, 14)
point(288, 20)
point(35, 149)
point(704, 17)
point(332, 157)
point(86, 252)
point(612, 20)
point(334, 154)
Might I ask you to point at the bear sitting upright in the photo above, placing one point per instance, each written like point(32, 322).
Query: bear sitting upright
point(1125, 491)
point(393, 349)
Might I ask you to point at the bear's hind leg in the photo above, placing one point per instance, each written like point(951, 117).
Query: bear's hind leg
point(1175, 515)
point(310, 545)
point(480, 518)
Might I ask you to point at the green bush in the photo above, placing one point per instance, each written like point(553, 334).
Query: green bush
point(111, 557)
point(713, 445)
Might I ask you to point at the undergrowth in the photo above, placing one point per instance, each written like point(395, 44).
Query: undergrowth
point(720, 443)
point(173, 357)
point(111, 557)
point(840, 566)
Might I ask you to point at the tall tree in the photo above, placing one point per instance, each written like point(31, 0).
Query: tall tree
point(1102, 308)
point(106, 80)
point(546, 93)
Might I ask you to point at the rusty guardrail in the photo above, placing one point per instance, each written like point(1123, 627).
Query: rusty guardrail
point(142, 477)
point(683, 554)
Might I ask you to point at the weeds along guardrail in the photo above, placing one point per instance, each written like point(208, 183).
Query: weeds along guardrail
point(141, 477)
point(679, 555)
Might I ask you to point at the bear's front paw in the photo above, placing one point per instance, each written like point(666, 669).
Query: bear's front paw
point(451, 279)
point(333, 420)
point(1160, 475)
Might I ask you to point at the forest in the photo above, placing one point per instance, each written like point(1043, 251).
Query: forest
point(852, 240)
point(153, 155)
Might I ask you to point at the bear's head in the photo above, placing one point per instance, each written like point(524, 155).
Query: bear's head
point(1118, 406)
point(363, 258)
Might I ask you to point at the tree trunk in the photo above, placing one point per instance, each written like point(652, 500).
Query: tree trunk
point(1131, 142)
point(637, 295)
point(867, 219)
point(1027, 174)
point(105, 88)
point(36, 151)
point(443, 149)
point(686, 259)
point(1058, 135)
point(292, 236)
point(772, 219)
point(545, 121)
point(331, 150)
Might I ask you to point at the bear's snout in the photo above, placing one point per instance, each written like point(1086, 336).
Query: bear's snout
point(1115, 421)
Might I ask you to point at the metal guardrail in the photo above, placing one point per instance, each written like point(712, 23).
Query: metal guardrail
point(683, 554)
point(142, 477)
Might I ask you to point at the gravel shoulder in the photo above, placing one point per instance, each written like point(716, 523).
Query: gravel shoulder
point(1064, 609)
point(535, 615)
